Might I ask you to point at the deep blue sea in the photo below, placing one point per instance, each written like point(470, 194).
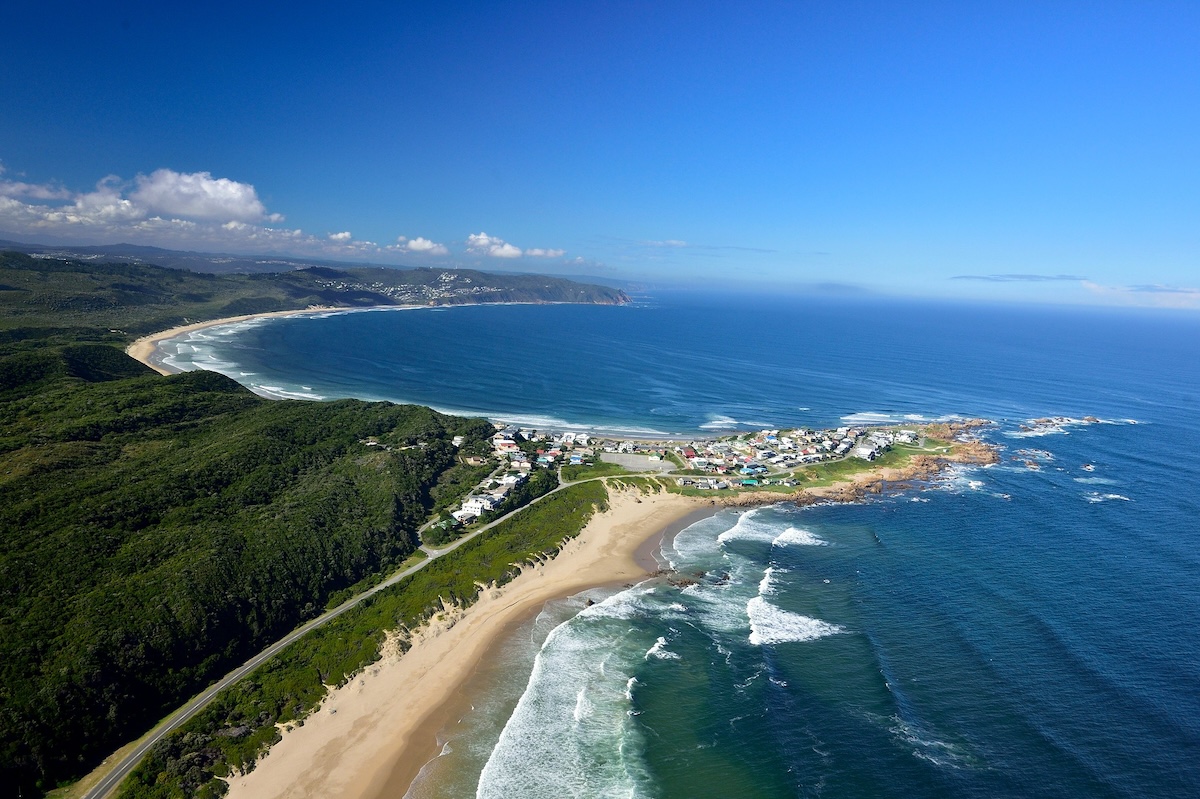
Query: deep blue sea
point(1027, 629)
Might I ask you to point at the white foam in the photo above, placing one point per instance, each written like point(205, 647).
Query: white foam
point(721, 422)
point(796, 536)
point(1096, 496)
point(583, 707)
point(696, 543)
point(554, 424)
point(927, 747)
point(869, 417)
point(278, 392)
point(748, 529)
point(1103, 481)
point(886, 417)
point(741, 686)
point(772, 625)
point(956, 478)
point(624, 605)
point(571, 733)
point(660, 651)
point(1059, 425)
point(766, 586)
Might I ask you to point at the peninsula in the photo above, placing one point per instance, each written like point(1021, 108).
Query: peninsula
point(160, 531)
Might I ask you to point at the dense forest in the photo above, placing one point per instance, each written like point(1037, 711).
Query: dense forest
point(158, 530)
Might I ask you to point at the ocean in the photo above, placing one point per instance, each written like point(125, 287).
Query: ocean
point(1025, 629)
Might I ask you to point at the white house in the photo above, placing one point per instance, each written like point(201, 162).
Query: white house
point(867, 452)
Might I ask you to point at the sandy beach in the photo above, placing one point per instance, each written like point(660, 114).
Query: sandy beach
point(373, 735)
point(145, 349)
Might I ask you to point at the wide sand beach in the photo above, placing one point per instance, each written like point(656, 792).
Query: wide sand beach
point(146, 348)
point(371, 737)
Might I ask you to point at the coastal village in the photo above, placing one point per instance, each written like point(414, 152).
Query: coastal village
point(737, 462)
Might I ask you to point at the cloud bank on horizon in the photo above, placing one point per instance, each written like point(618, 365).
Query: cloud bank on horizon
point(198, 211)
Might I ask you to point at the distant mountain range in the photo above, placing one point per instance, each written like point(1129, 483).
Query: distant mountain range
point(224, 263)
point(216, 263)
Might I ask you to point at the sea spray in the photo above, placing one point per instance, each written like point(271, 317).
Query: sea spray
point(572, 733)
point(1029, 624)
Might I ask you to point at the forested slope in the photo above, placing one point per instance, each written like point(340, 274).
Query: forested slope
point(156, 531)
point(137, 298)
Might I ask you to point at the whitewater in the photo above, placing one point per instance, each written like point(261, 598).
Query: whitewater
point(1020, 630)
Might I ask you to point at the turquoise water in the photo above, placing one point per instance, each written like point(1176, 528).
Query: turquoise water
point(1009, 631)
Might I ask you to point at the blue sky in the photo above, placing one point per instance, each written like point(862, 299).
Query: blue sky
point(1045, 151)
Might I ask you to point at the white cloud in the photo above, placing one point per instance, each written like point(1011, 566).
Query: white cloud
point(491, 245)
point(505, 250)
point(198, 195)
point(197, 211)
point(424, 246)
point(34, 191)
point(495, 247)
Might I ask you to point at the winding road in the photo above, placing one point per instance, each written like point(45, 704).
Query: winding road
point(110, 781)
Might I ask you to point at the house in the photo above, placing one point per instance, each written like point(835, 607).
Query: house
point(480, 504)
point(867, 452)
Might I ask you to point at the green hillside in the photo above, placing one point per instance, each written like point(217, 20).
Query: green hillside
point(157, 531)
point(139, 298)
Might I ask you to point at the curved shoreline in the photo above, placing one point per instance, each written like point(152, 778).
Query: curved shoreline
point(146, 348)
point(370, 738)
point(375, 733)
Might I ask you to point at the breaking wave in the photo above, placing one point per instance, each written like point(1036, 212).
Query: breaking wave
point(796, 536)
point(773, 625)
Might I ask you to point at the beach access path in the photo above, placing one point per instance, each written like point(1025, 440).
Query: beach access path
point(117, 772)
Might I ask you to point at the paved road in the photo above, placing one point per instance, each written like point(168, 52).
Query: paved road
point(110, 781)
